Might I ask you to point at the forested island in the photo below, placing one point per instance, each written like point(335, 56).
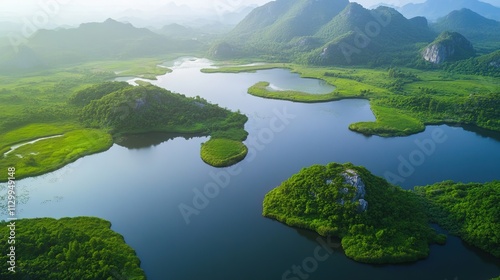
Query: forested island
point(382, 223)
point(123, 109)
point(98, 114)
point(69, 248)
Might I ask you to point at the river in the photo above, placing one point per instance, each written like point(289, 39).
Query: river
point(140, 186)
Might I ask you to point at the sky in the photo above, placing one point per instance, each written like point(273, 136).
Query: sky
point(73, 9)
point(25, 7)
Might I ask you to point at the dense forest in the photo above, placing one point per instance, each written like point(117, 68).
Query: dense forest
point(393, 225)
point(392, 229)
point(121, 108)
point(70, 248)
point(470, 211)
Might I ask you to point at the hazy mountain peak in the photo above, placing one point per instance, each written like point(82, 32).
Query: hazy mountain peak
point(434, 9)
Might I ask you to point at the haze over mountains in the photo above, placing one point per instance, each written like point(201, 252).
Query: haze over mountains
point(341, 33)
point(320, 32)
point(89, 42)
point(435, 9)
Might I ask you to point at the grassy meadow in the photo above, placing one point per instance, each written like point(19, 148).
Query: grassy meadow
point(403, 100)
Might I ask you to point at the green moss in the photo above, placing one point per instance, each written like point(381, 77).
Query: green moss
point(393, 229)
point(70, 248)
point(223, 152)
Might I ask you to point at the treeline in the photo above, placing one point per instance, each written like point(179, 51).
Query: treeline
point(480, 110)
point(471, 211)
point(393, 229)
point(70, 248)
point(487, 65)
point(120, 107)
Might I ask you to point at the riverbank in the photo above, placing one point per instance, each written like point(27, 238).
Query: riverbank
point(403, 100)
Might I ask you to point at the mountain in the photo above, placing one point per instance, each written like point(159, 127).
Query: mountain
point(434, 9)
point(96, 41)
point(449, 46)
point(282, 20)
point(324, 32)
point(478, 29)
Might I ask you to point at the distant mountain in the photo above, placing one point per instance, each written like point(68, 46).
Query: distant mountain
point(282, 20)
point(175, 30)
point(473, 26)
point(96, 41)
point(434, 9)
point(449, 46)
point(185, 15)
point(325, 32)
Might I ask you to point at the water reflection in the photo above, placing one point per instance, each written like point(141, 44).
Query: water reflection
point(147, 140)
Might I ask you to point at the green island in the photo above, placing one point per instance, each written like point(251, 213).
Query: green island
point(69, 248)
point(469, 211)
point(381, 223)
point(86, 114)
point(404, 100)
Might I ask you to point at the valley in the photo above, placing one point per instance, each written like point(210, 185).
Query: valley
point(369, 133)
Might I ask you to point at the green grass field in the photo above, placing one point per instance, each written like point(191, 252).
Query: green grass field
point(223, 152)
point(403, 103)
point(390, 122)
point(35, 105)
point(51, 154)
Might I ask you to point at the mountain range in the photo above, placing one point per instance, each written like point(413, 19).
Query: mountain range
point(317, 32)
point(435, 9)
point(483, 32)
point(107, 40)
point(323, 32)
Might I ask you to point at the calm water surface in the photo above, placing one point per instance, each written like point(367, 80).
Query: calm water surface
point(139, 186)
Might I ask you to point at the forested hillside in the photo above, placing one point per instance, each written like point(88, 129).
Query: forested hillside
point(377, 222)
point(90, 42)
point(70, 248)
point(470, 211)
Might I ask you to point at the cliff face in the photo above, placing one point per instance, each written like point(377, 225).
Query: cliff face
point(448, 46)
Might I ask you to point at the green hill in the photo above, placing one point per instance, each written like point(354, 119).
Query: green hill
point(377, 222)
point(268, 29)
point(123, 109)
point(435, 9)
point(382, 223)
point(479, 30)
point(471, 211)
point(91, 42)
point(448, 46)
point(486, 65)
point(361, 36)
point(325, 32)
point(69, 248)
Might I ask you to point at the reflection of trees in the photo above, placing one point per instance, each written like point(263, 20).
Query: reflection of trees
point(140, 141)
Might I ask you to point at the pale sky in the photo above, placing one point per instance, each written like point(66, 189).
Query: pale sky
point(10, 9)
point(25, 7)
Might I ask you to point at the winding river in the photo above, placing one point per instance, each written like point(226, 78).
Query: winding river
point(140, 186)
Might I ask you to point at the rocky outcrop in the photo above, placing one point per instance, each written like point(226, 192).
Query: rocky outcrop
point(352, 178)
point(449, 46)
point(495, 63)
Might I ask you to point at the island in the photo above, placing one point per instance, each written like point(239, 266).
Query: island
point(124, 109)
point(381, 223)
point(100, 113)
point(68, 248)
point(403, 100)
